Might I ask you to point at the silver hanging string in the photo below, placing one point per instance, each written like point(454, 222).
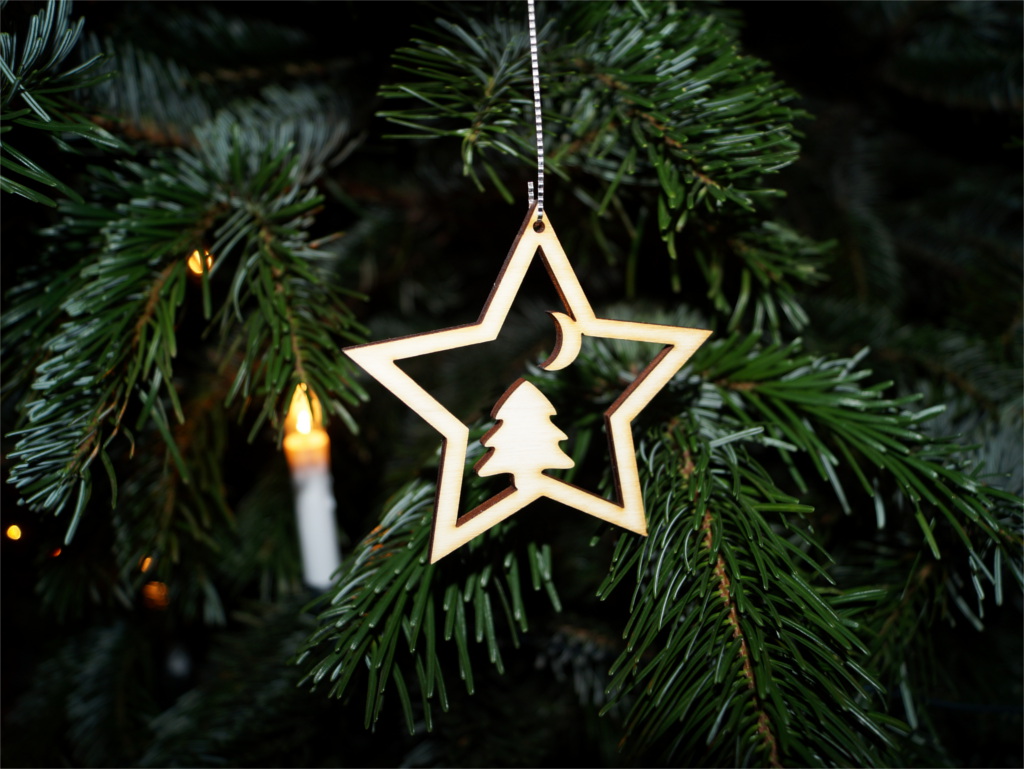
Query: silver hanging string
point(539, 197)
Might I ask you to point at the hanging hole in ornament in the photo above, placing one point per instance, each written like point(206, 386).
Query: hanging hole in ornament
point(538, 226)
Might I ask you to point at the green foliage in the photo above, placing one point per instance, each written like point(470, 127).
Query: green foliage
point(965, 55)
point(826, 545)
point(255, 695)
point(101, 718)
point(732, 652)
point(109, 315)
point(35, 83)
point(723, 553)
point(237, 196)
point(815, 405)
point(651, 94)
point(740, 647)
point(774, 263)
point(388, 594)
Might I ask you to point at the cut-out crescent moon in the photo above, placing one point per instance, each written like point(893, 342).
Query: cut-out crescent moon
point(568, 340)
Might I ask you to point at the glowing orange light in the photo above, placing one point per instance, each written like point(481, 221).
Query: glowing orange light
point(304, 420)
point(54, 553)
point(305, 441)
point(145, 563)
point(155, 595)
point(301, 417)
point(14, 532)
point(195, 261)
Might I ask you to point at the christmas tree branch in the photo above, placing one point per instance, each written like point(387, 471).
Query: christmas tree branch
point(388, 591)
point(251, 200)
point(813, 532)
point(34, 88)
point(816, 404)
point(707, 632)
point(694, 112)
point(55, 449)
point(773, 263)
point(764, 726)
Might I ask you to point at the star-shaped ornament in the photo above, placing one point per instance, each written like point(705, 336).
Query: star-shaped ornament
point(524, 442)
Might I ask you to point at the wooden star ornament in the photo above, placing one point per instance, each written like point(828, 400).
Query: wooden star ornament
point(524, 442)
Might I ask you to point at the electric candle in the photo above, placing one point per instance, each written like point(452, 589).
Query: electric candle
point(309, 450)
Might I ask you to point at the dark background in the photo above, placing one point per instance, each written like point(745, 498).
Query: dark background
point(887, 138)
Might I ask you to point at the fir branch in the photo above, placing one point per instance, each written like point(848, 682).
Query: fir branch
point(114, 339)
point(764, 725)
point(150, 101)
point(98, 719)
point(816, 406)
point(388, 592)
point(704, 478)
point(946, 364)
point(34, 88)
point(252, 700)
point(655, 93)
point(293, 305)
point(732, 652)
point(163, 212)
point(966, 57)
point(121, 311)
point(773, 263)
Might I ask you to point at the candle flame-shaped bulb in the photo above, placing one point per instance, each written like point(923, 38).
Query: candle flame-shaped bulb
point(304, 412)
point(309, 458)
point(305, 440)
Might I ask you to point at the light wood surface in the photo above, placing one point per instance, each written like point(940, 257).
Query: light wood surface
point(525, 442)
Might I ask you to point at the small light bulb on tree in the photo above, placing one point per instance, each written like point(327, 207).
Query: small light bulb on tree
point(155, 595)
point(308, 449)
point(195, 261)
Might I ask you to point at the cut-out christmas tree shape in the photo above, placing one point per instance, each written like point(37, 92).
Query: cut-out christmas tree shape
point(524, 442)
point(452, 529)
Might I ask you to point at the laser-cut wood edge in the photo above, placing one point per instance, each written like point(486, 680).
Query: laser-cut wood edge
point(450, 530)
